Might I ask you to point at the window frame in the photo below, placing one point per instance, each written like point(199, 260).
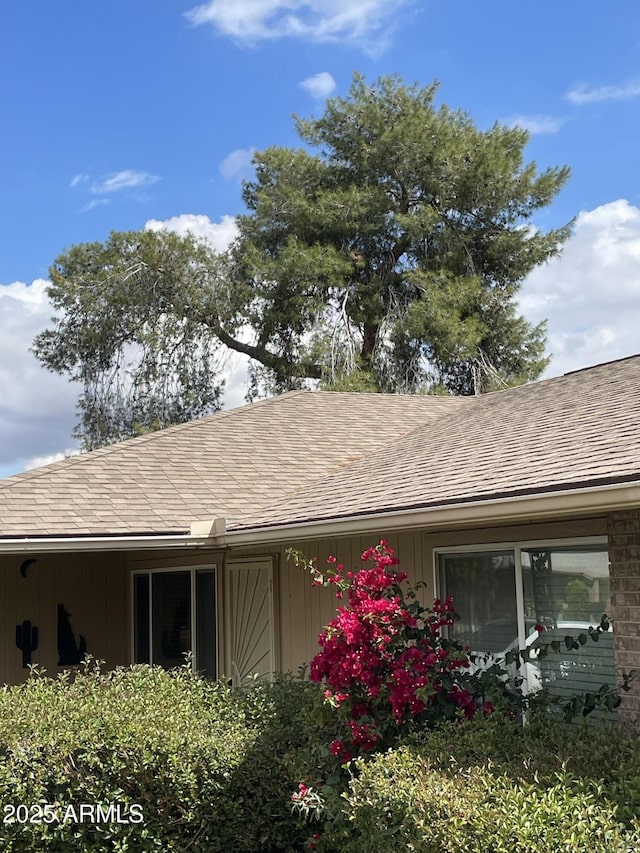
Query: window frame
point(192, 570)
point(517, 546)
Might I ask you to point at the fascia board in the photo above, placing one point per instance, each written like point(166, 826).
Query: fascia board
point(561, 504)
point(98, 543)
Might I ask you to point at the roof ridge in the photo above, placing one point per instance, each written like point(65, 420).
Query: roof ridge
point(109, 449)
point(396, 394)
point(602, 364)
point(537, 383)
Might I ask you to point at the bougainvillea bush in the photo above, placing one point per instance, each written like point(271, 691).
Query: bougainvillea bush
point(391, 675)
point(387, 666)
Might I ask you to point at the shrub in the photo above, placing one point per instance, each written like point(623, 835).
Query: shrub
point(391, 677)
point(204, 763)
point(492, 786)
point(386, 665)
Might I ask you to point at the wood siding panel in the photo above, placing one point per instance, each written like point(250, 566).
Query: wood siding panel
point(174, 558)
point(533, 531)
point(93, 589)
point(10, 662)
point(304, 610)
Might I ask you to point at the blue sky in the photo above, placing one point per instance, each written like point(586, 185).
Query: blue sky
point(118, 114)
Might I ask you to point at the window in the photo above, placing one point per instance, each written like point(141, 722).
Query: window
point(502, 594)
point(484, 594)
point(174, 612)
point(567, 591)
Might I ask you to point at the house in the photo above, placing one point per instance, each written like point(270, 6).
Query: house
point(523, 504)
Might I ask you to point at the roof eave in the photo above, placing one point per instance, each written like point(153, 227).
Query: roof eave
point(70, 544)
point(213, 533)
point(557, 504)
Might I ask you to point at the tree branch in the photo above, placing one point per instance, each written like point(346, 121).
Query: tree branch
point(281, 366)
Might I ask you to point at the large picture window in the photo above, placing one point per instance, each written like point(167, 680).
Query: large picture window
point(174, 613)
point(502, 594)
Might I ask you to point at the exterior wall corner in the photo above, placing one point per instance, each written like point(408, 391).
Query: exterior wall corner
point(624, 556)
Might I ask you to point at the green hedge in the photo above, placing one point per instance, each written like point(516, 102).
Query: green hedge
point(213, 769)
point(490, 786)
point(205, 764)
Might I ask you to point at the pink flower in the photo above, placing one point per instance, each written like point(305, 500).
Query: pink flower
point(339, 749)
point(301, 793)
point(382, 658)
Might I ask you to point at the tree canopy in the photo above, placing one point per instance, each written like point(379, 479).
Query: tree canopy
point(129, 330)
point(386, 253)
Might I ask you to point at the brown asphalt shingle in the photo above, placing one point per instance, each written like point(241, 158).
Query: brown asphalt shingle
point(229, 464)
point(313, 455)
point(576, 430)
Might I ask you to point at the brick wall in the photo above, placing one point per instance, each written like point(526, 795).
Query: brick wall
point(624, 554)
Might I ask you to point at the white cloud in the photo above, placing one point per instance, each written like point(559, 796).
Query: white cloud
point(39, 461)
point(95, 202)
point(320, 86)
point(237, 164)
point(81, 178)
point(125, 180)
point(535, 124)
point(590, 95)
point(366, 22)
point(219, 234)
point(591, 293)
point(37, 408)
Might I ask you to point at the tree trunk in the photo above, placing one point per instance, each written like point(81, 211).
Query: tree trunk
point(369, 338)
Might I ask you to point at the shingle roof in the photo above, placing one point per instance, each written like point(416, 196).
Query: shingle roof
point(308, 456)
point(576, 430)
point(229, 464)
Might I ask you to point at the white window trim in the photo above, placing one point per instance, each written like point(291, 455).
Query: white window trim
point(194, 633)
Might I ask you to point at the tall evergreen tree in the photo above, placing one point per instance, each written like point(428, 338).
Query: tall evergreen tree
point(389, 251)
point(385, 254)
